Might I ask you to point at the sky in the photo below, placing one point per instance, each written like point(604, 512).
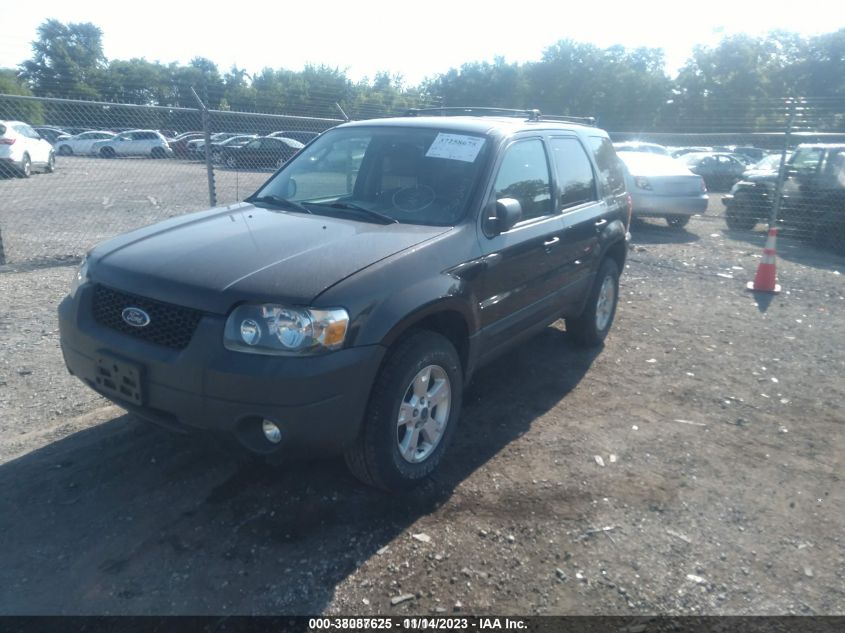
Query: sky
point(414, 40)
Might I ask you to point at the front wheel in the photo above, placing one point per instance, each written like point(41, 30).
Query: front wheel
point(739, 218)
point(677, 221)
point(51, 163)
point(231, 162)
point(591, 327)
point(412, 414)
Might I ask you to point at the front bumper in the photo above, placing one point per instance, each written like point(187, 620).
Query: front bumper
point(655, 206)
point(318, 402)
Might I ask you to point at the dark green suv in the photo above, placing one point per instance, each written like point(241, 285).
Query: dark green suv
point(813, 202)
point(343, 307)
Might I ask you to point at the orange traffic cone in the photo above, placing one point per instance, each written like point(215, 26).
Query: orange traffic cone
point(766, 277)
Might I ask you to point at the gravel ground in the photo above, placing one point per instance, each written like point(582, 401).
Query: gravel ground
point(692, 466)
point(51, 217)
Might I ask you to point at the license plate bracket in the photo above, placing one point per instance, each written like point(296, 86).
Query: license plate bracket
point(120, 379)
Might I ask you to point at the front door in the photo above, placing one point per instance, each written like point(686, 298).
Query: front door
point(522, 264)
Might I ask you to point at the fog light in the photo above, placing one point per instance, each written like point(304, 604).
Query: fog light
point(271, 431)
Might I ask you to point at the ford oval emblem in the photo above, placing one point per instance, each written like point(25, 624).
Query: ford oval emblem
point(135, 317)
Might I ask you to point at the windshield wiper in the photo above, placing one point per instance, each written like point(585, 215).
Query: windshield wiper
point(351, 206)
point(278, 201)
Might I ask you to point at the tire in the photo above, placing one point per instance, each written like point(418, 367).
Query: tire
point(280, 161)
point(393, 456)
point(677, 221)
point(65, 150)
point(591, 327)
point(157, 152)
point(216, 157)
point(231, 162)
point(26, 167)
point(51, 164)
point(739, 219)
point(107, 152)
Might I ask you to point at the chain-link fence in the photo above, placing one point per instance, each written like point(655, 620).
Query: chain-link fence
point(100, 169)
point(117, 167)
point(781, 162)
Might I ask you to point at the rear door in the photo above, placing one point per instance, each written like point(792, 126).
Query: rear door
point(521, 272)
point(583, 213)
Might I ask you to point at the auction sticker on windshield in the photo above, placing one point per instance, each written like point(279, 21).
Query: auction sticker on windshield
point(455, 147)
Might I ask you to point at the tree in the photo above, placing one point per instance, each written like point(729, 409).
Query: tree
point(15, 109)
point(67, 60)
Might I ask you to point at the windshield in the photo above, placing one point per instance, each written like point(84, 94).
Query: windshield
point(412, 175)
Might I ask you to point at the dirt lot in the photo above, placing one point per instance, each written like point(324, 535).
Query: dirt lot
point(718, 418)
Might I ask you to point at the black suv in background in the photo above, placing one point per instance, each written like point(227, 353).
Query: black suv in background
point(813, 202)
point(344, 306)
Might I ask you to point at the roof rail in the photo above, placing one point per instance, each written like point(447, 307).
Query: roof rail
point(470, 111)
point(530, 115)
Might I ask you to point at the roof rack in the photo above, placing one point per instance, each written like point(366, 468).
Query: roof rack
point(530, 115)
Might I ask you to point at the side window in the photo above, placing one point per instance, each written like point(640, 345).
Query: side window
point(256, 144)
point(611, 172)
point(574, 172)
point(806, 161)
point(836, 166)
point(524, 175)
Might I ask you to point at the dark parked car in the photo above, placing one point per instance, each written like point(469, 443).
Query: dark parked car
point(50, 134)
point(260, 153)
point(813, 200)
point(344, 310)
point(296, 135)
point(217, 148)
point(179, 145)
point(719, 170)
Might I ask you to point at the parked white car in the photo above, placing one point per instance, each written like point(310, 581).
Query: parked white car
point(662, 187)
point(81, 143)
point(134, 143)
point(22, 150)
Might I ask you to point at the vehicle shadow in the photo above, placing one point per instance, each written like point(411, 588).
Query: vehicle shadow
point(124, 518)
point(649, 232)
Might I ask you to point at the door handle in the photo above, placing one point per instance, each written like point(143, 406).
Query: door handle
point(600, 223)
point(547, 245)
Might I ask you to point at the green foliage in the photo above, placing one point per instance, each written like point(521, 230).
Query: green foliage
point(732, 85)
point(67, 60)
point(29, 111)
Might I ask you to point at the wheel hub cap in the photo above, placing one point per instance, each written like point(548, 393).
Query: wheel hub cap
point(423, 414)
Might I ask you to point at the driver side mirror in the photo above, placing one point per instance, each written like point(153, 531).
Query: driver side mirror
point(508, 211)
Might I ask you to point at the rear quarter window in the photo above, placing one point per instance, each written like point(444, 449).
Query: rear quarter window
point(611, 173)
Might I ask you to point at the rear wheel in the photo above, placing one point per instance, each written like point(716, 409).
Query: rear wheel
point(51, 163)
point(26, 167)
point(592, 326)
point(677, 221)
point(231, 162)
point(412, 414)
point(65, 150)
point(107, 152)
point(157, 152)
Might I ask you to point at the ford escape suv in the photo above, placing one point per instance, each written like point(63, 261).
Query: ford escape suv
point(344, 306)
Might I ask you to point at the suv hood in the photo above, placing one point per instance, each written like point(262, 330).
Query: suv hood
point(214, 259)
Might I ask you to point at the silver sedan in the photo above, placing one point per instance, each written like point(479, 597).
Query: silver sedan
point(662, 187)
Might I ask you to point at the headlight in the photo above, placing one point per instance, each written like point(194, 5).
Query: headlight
point(80, 277)
point(285, 330)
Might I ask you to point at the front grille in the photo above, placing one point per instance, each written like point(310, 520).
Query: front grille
point(170, 325)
